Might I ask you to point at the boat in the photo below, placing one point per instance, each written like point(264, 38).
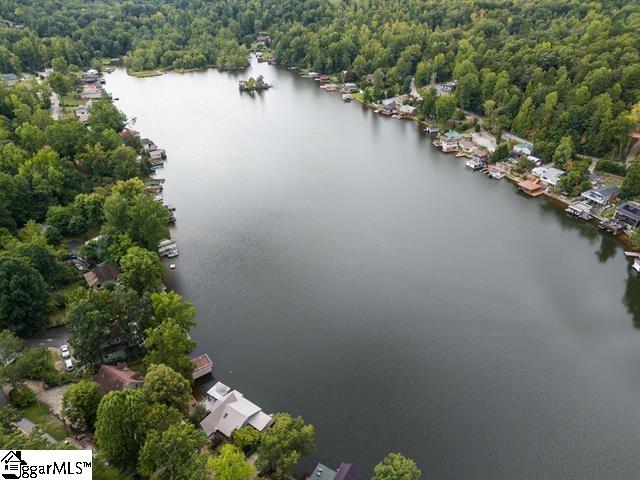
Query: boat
point(431, 129)
point(579, 210)
point(172, 266)
point(347, 97)
point(636, 265)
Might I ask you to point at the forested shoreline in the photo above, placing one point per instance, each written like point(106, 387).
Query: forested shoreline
point(545, 70)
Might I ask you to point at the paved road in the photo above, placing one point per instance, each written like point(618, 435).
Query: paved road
point(55, 106)
point(52, 337)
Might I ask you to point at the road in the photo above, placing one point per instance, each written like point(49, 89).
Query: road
point(55, 106)
point(52, 337)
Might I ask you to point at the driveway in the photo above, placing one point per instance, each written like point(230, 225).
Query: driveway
point(52, 337)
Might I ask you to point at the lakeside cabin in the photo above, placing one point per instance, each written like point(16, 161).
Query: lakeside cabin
point(601, 196)
point(229, 411)
point(202, 365)
point(548, 175)
point(628, 213)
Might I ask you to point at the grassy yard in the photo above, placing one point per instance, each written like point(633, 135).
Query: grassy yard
point(40, 414)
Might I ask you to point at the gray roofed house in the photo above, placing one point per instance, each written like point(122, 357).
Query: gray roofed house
point(232, 411)
point(629, 213)
point(601, 196)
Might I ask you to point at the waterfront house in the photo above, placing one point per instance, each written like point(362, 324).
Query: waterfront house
point(480, 155)
point(389, 106)
point(601, 196)
point(117, 377)
point(406, 110)
point(350, 88)
point(548, 175)
point(629, 213)
point(531, 187)
point(322, 78)
point(229, 411)
point(157, 154)
point(346, 471)
point(432, 129)
point(103, 274)
point(329, 87)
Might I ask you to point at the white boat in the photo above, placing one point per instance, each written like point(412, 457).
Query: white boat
point(347, 97)
point(636, 265)
point(172, 266)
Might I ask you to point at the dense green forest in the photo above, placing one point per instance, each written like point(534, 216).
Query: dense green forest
point(542, 69)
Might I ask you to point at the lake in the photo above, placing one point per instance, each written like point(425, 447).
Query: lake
point(345, 270)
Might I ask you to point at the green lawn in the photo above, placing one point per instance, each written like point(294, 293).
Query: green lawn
point(40, 414)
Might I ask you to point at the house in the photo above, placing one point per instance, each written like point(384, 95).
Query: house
point(148, 145)
point(229, 410)
point(9, 79)
point(449, 87)
point(122, 344)
point(480, 155)
point(350, 88)
point(329, 87)
point(157, 154)
point(81, 113)
point(531, 187)
point(389, 106)
point(524, 149)
point(406, 110)
point(346, 471)
point(368, 78)
point(601, 196)
point(128, 132)
point(103, 274)
point(112, 377)
point(549, 175)
point(629, 213)
point(91, 91)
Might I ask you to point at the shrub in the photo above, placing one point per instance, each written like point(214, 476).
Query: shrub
point(22, 396)
point(246, 439)
point(610, 166)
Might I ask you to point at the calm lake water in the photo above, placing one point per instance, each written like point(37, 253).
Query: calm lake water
point(345, 270)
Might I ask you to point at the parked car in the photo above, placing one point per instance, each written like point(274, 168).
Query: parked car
point(68, 364)
point(64, 351)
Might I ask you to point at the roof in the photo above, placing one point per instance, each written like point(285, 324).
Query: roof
point(630, 209)
point(233, 411)
point(453, 135)
point(9, 77)
point(347, 471)
point(218, 391)
point(105, 273)
point(322, 472)
point(113, 378)
point(606, 192)
point(530, 185)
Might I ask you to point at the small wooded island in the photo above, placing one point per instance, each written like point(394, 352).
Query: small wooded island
point(254, 84)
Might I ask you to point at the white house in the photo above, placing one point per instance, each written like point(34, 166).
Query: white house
point(549, 175)
point(229, 410)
